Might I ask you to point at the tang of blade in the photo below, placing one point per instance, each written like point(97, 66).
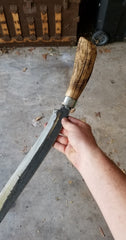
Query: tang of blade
point(32, 161)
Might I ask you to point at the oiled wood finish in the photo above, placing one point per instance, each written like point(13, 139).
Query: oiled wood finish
point(83, 66)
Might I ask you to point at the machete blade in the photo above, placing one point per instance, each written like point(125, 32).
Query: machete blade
point(31, 162)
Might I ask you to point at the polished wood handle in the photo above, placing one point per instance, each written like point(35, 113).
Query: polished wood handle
point(83, 66)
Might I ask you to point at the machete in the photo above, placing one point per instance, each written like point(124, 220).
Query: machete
point(83, 66)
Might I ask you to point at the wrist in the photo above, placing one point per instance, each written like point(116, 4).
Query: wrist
point(88, 157)
point(90, 152)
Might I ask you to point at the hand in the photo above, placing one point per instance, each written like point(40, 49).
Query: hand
point(76, 141)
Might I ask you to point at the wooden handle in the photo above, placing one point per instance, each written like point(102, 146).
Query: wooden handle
point(83, 66)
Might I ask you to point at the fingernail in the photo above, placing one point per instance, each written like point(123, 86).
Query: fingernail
point(64, 119)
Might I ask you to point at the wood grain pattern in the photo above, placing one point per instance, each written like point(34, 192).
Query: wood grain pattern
point(16, 22)
point(58, 19)
point(3, 24)
point(83, 66)
point(45, 24)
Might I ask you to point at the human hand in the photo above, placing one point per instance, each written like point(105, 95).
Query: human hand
point(76, 141)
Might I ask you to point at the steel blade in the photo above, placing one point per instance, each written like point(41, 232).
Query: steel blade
point(31, 162)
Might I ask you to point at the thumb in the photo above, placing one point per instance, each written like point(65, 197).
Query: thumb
point(67, 125)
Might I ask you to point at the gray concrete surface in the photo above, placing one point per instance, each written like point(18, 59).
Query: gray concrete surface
point(56, 204)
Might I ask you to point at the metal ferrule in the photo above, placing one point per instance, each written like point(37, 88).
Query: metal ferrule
point(69, 102)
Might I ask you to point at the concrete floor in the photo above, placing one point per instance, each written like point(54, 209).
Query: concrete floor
point(56, 204)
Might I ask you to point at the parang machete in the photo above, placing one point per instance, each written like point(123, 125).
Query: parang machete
point(83, 66)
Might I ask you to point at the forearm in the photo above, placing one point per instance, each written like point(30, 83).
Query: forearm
point(105, 180)
point(107, 184)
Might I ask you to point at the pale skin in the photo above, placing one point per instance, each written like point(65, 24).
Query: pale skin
point(104, 179)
